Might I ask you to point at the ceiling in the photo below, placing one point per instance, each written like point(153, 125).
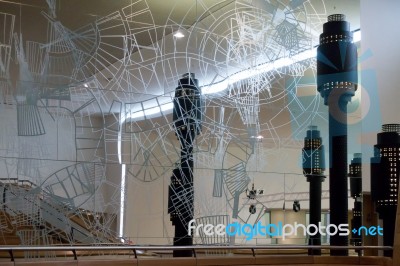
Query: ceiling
point(163, 17)
point(125, 51)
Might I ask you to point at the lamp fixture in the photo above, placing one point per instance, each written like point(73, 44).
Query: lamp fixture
point(253, 193)
point(252, 209)
point(179, 34)
point(296, 206)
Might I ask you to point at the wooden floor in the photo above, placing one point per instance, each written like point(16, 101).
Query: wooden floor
point(269, 260)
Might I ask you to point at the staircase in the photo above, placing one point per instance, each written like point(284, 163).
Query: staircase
point(30, 216)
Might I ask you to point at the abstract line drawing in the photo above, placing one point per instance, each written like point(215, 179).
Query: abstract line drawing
point(89, 106)
point(214, 220)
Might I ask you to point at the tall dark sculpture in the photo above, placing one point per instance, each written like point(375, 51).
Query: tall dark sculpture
point(313, 169)
point(355, 192)
point(337, 83)
point(385, 171)
point(187, 115)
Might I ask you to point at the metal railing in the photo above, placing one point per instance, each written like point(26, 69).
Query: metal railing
point(195, 249)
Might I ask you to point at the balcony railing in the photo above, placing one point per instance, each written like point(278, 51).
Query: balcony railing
point(197, 251)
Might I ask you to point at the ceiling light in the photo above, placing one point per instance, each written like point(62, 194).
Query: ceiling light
point(266, 67)
point(179, 34)
point(296, 206)
point(258, 70)
point(236, 77)
point(152, 111)
point(139, 115)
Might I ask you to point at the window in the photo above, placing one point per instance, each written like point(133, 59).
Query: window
point(325, 219)
point(265, 220)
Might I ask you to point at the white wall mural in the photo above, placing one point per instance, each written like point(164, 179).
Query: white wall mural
point(87, 107)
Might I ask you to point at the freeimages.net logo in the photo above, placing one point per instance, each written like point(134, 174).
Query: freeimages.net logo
point(278, 230)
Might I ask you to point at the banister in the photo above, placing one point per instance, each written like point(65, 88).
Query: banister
point(113, 246)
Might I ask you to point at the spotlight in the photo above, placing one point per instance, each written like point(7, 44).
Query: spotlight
point(296, 206)
point(252, 209)
point(253, 193)
point(179, 34)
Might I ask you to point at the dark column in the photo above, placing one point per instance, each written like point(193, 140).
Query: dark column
point(338, 199)
point(313, 168)
point(337, 82)
point(187, 115)
point(385, 171)
point(315, 211)
point(355, 192)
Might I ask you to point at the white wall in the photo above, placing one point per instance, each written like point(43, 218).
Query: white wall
point(380, 72)
point(35, 157)
point(43, 159)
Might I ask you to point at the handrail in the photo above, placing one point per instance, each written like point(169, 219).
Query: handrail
point(168, 247)
point(16, 181)
point(135, 248)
